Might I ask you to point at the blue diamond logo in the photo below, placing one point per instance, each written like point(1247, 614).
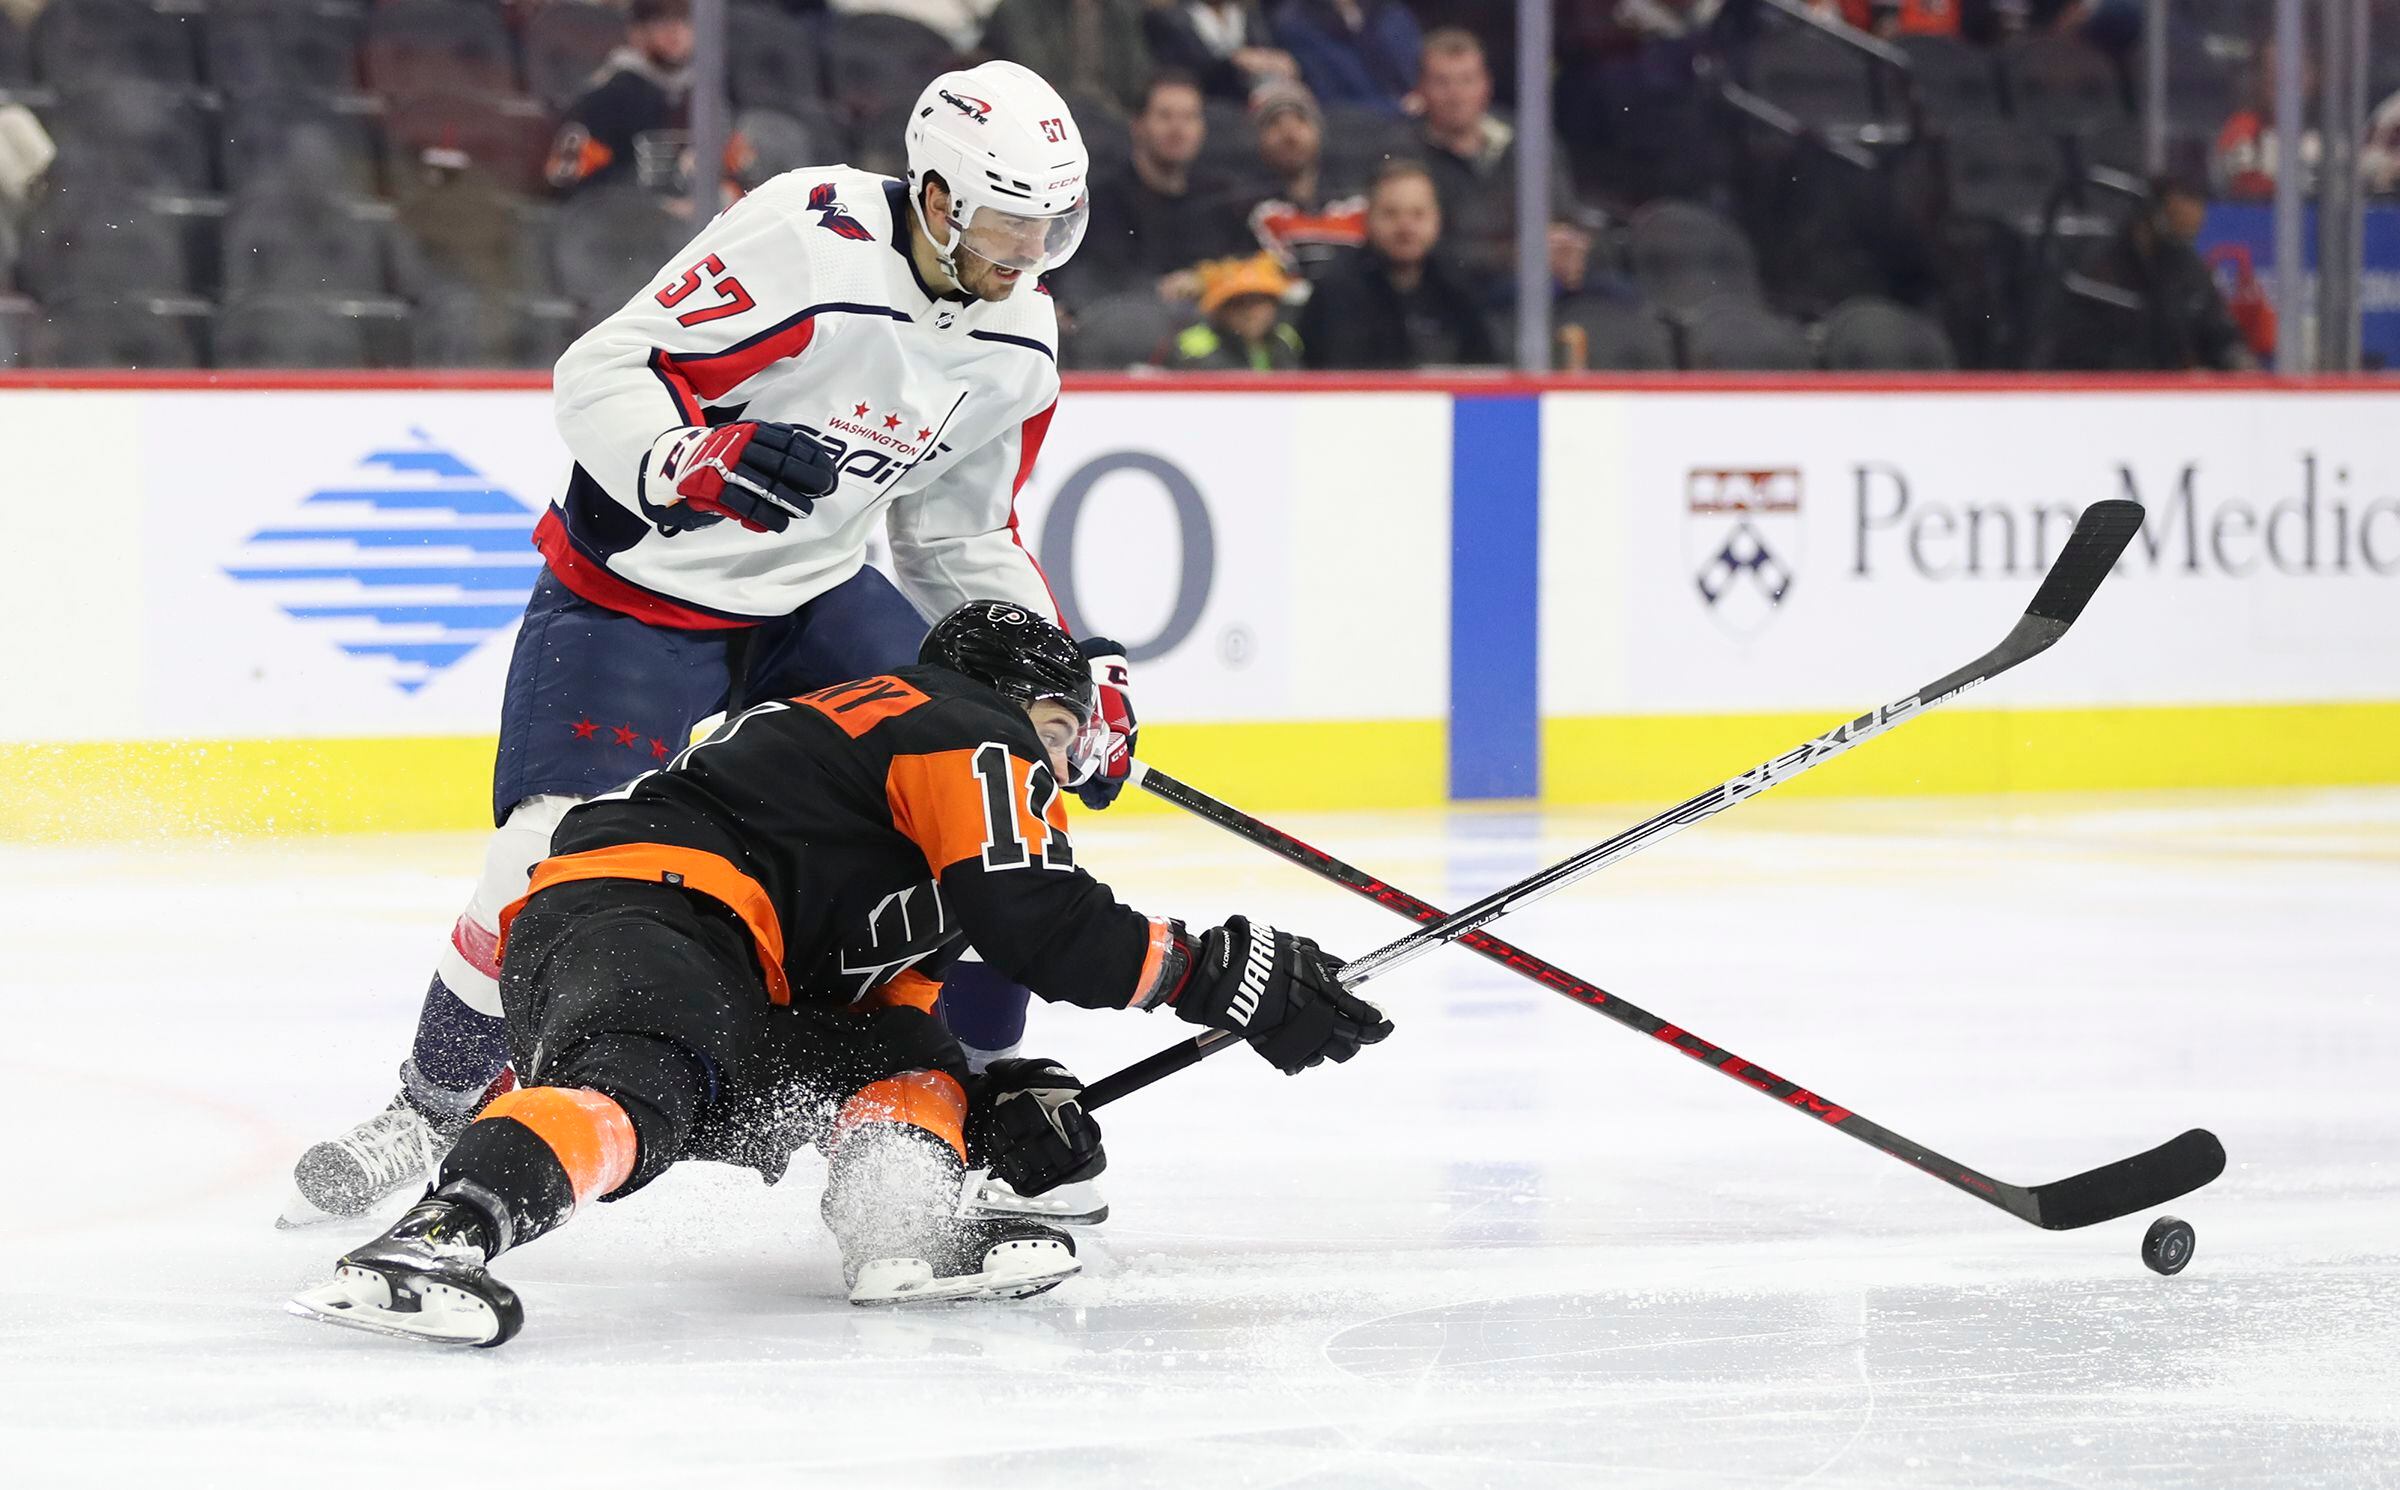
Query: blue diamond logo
point(409, 566)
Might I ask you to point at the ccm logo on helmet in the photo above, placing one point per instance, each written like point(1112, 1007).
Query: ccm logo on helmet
point(974, 108)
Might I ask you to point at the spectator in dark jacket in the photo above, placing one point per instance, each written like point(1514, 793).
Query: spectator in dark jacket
point(1394, 305)
point(1079, 46)
point(1223, 43)
point(2183, 324)
point(1353, 51)
point(629, 124)
point(1473, 157)
point(1158, 217)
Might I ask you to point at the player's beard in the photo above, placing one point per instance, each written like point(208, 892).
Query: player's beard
point(985, 280)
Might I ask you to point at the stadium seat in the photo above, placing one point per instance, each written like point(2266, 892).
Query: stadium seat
point(775, 142)
point(81, 41)
point(1952, 79)
point(876, 65)
point(1731, 334)
point(1683, 254)
point(776, 60)
point(2062, 83)
point(461, 232)
point(277, 46)
point(504, 135)
point(115, 330)
point(2001, 169)
point(299, 242)
point(1867, 334)
point(1116, 332)
point(291, 330)
point(1600, 333)
point(81, 243)
point(131, 135)
point(16, 58)
point(1813, 77)
point(467, 330)
point(610, 242)
point(1358, 141)
point(301, 137)
point(565, 43)
point(416, 45)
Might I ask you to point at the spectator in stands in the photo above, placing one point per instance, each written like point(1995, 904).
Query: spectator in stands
point(2379, 158)
point(2242, 163)
point(1394, 305)
point(1087, 47)
point(1629, 98)
point(1301, 221)
point(1223, 43)
point(1353, 51)
point(1157, 218)
point(25, 155)
point(1244, 330)
point(1473, 159)
point(958, 22)
point(630, 123)
point(2185, 325)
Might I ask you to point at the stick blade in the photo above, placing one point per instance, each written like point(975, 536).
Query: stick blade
point(2175, 1168)
point(2092, 549)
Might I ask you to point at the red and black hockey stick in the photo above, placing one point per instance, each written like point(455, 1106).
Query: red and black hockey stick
point(2175, 1168)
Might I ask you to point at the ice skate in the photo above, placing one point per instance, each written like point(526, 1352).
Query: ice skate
point(424, 1279)
point(343, 1178)
point(893, 1203)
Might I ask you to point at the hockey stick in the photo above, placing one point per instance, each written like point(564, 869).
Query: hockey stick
point(2100, 535)
point(2120, 1189)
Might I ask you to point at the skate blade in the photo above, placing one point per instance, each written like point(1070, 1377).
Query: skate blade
point(1029, 1268)
point(993, 1199)
point(360, 1299)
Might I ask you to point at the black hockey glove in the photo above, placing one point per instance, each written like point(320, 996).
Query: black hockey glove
point(760, 475)
point(1025, 1125)
point(1280, 992)
point(1116, 729)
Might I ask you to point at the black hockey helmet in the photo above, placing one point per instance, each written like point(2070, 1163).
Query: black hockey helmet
point(1016, 653)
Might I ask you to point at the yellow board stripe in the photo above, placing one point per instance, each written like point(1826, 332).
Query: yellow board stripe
point(135, 789)
point(1672, 756)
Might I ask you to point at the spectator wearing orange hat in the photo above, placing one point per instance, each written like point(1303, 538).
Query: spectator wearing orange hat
point(1244, 330)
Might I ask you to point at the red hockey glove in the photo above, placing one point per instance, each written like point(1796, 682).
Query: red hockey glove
point(760, 475)
point(1110, 759)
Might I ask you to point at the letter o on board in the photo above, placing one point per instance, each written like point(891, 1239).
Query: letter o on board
point(1191, 518)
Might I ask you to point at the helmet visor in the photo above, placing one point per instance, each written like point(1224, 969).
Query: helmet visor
point(1028, 244)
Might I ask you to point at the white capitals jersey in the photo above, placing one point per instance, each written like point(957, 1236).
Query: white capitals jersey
point(799, 305)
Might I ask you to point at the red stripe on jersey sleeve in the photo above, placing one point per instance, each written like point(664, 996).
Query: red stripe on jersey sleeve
point(1030, 437)
point(712, 375)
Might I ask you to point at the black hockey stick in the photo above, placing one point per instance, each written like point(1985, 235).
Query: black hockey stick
point(2113, 1190)
point(2100, 535)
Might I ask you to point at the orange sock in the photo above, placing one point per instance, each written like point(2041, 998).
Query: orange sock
point(932, 1100)
point(590, 1133)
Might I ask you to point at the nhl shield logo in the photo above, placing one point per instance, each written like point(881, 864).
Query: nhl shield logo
point(1742, 532)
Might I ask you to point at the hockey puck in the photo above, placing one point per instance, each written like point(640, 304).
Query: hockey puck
point(2168, 1245)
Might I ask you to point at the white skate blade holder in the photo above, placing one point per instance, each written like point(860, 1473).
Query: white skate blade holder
point(1013, 1269)
point(361, 1299)
point(1068, 1205)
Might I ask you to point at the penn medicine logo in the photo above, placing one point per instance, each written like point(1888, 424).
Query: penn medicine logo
point(1742, 532)
point(406, 565)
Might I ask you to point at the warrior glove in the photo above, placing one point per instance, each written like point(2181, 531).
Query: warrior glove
point(760, 475)
point(1282, 993)
point(1025, 1124)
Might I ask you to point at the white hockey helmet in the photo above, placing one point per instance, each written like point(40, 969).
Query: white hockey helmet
point(1015, 165)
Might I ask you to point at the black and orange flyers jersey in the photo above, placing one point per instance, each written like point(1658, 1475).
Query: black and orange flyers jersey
point(865, 834)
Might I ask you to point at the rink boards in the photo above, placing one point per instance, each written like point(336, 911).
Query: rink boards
point(290, 605)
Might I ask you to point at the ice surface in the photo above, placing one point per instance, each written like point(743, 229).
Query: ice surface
point(1515, 1246)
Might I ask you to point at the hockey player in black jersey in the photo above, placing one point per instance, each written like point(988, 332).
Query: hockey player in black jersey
point(736, 955)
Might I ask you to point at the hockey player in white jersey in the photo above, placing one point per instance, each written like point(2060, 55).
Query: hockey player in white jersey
point(836, 353)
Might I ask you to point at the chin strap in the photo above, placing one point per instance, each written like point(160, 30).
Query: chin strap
point(945, 254)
